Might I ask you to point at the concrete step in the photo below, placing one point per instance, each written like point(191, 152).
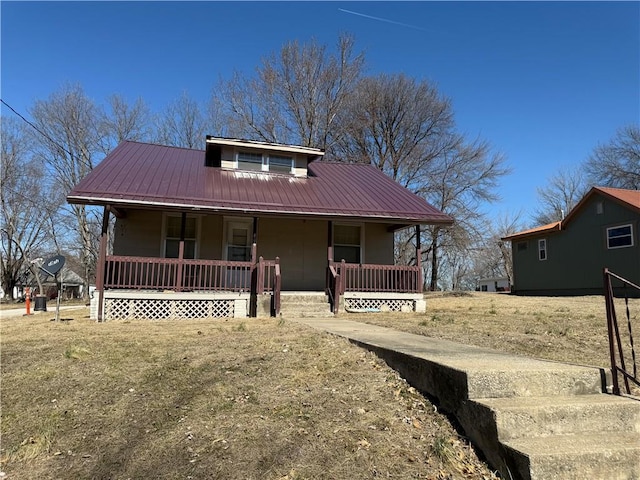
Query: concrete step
point(304, 305)
point(575, 457)
point(532, 419)
point(303, 298)
point(519, 417)
point(526, 378)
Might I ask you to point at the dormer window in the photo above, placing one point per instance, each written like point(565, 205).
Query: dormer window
point(254, 156)
point(250, 161)
point(264, 162)
point(280, 164)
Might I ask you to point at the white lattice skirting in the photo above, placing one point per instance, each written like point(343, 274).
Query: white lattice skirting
point(172, 306)
point(384, 302)
point(377, 304)
point(126, 309)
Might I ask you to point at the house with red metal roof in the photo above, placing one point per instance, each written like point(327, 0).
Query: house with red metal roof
point(233, 229)
point(568, 257)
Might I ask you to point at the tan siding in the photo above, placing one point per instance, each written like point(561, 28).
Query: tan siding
point(138, 234)
point(378, 245)
point(302, 248)
point(210, 241)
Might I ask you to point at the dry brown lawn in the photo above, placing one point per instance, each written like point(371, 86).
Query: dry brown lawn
point(256, 399)
point(227, 399)
point(566, 329)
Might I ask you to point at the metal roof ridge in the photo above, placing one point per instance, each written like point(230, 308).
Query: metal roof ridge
point(152, 144)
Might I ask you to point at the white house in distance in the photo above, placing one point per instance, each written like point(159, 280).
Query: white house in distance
point(494, 284)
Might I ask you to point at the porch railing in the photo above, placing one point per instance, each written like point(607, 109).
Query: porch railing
point(277, 285)
point(378, 278)
point(617, 353)
point(144, 273)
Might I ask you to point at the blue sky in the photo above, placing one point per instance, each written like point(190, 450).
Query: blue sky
point(544, 82)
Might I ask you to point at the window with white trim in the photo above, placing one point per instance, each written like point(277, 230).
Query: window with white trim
point(620, 236)
point(249, 161)
point(238, 240)
point(542, 249)
point(172, 236)
point(347, 243)
point(280, 164)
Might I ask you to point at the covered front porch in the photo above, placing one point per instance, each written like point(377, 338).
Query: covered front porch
point(141, 286)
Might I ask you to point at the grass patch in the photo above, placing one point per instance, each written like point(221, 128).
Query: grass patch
point(567, 329)
point(212, 399)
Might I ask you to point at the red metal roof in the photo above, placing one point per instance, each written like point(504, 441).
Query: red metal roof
point(155, 176)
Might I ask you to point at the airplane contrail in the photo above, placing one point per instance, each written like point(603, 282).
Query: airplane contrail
point(382, 19)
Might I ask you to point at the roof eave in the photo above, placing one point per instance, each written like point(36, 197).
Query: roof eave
point(150, 204)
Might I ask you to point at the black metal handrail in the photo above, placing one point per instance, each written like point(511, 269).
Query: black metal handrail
point(618, 364)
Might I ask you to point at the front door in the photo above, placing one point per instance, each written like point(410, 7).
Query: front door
point(237, 248)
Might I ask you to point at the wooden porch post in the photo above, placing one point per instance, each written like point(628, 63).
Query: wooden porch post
point(329, 256)
point(255, 230)
point(418, 258)
point(254, 241)
point(183, 227)
point(330, 242)
point(102, 259)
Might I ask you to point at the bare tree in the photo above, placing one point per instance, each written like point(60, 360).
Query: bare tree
point(121, 121)
point(182, 124)
point(26, 206)
point(398, 125)
point(617, 163)
point(406, 129)
point(494, 257)
point(458, 183)
point(562, 192)
point(68, 140)
point(295, 96)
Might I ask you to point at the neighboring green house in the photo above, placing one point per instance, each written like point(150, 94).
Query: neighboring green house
point(568, 257)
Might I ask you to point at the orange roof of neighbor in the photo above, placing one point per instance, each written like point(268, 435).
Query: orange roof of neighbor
point(142, 175)
point(630, 198)
point(550, 227)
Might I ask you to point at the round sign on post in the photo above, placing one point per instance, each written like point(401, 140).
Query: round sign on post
point(51, 266)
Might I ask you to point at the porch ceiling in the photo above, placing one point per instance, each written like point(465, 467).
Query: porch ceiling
point(154, 176)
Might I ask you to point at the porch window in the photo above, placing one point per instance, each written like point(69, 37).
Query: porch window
point(238, 241)
point(347, 243)
point(249, 161)
point(620, 236)
point(172, 236)
point(542, 249)
point(280, 164)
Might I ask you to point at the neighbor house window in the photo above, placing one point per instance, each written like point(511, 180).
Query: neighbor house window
point(542, 249)
point(172, 236)
point(249, 161)
point(280, 164)
point(522, 246)
point(620, 236)
point(347, 243)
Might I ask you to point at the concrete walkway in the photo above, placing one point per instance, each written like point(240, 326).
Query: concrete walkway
point(16, 312)
point(532, 419)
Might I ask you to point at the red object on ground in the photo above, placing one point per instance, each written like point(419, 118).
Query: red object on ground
point(28, 300)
